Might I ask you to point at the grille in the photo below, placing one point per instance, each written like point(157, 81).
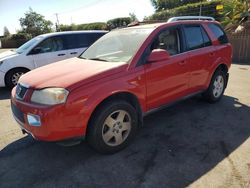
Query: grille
point(17, 113)
point(20, 91)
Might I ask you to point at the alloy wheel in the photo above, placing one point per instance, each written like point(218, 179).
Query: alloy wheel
point(116, 128)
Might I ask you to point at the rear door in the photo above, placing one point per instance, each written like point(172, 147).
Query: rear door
point(51, 50)
point(201, 55)
point(167, 80)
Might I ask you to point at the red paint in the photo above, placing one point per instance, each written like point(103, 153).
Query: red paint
point(90, 82)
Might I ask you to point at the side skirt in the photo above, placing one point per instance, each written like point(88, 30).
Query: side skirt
point(172, 103)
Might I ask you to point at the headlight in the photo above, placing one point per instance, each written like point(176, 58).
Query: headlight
point(50, 96)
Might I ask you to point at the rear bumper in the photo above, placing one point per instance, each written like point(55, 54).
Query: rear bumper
point(57, 123)
point(2, 82)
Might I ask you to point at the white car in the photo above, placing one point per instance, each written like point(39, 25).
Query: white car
point(43, 50)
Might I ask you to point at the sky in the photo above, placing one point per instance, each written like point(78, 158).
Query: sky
point(71, 11)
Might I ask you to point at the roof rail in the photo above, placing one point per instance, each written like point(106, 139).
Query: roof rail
point(135, 23)
point(173, 19)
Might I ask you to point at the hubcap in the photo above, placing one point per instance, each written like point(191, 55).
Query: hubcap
point(15, 77)
point(218, 86)
point(116, 128)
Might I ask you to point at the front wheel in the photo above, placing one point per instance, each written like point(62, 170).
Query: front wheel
point(112, 127)
point(13, 76)
point(216, 88)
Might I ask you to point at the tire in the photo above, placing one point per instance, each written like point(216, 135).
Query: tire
point(13, 76)
point(112, 127)
point(216, 87)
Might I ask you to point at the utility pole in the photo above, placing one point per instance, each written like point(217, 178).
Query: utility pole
point(200, 10)
point(57, 23)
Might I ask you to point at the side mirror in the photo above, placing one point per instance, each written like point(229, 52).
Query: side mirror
point(36, 50)
point(158, 55)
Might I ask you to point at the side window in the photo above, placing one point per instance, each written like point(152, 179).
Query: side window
point(219, 33)
point(96, 36)
point(70, 41)
point(51, 44)
point(82, 40)
point(168, 40)
point(194, 37)
point(207, 41)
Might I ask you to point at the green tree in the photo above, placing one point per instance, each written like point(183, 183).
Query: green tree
point(170, 4)
point(236, 13)
point(35, 24)
point(133, 17)
point(6, 32)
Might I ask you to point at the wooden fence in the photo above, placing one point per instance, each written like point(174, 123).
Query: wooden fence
point(241, 47)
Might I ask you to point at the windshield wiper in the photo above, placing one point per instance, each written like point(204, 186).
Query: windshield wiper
point(98, 59)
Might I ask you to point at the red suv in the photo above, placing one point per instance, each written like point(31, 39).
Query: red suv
point(105, 92)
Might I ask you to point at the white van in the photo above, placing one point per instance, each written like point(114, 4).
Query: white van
point(43, 50)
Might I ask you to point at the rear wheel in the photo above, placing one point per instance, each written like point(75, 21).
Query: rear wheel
point(216, 87)
point(13, 76)
point(112, 127)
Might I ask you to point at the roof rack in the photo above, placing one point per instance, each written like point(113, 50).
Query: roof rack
point(135, 23)
point(179, 18)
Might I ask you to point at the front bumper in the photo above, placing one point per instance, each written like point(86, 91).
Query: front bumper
point(57, 122)
point(2, 82)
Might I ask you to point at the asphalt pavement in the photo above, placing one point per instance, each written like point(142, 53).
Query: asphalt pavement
point(192, 143)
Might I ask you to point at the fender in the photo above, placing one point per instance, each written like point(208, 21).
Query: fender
point(98, 92)
point(19, 61)
point(219, 61)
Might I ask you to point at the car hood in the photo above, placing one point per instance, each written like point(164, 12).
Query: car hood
point(7, 54)
point(70, 73)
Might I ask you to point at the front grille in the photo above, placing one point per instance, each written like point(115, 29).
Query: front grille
point(21, 91)
point(17, 113)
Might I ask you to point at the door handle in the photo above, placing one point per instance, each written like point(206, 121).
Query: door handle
point(60, 54)
point(73, 53)
point(182, 62)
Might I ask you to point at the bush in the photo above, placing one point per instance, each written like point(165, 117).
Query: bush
point(11, 43)
point(90, 26)
point(22, 36)
point(208, 9)
point(119, 22)
point(15, 40)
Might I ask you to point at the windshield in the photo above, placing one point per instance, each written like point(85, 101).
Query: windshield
point(28, 44)
point(118, 45)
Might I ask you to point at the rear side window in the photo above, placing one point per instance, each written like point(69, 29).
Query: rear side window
point(196, 37)
point(219, 33)
point(193, 37)
point(82, 40)
point(206, 40)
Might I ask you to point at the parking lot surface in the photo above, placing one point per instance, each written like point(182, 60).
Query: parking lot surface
point(192, 143)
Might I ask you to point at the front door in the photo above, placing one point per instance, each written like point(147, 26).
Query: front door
point(167, 80)
point(50, 50)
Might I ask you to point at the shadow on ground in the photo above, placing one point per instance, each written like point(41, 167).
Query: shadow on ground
point(4, 93)
point(175, 147)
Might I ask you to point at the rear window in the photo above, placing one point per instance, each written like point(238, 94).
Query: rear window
point(196, 37)
point(219, 33)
